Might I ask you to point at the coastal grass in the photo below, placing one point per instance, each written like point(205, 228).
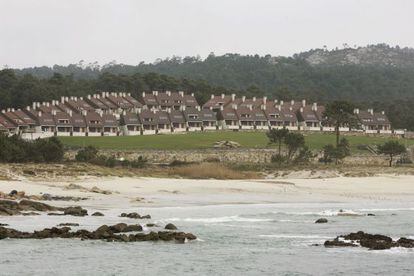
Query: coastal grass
point(205, 140)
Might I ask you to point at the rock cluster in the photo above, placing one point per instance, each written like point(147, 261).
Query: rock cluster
point(321, 220)
point(226, 145)
point(107, 233)
point(10, 207)
point(15, 195)
point(134, 215)
point(373, 242)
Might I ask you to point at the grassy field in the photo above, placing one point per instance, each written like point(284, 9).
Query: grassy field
point(206, 140)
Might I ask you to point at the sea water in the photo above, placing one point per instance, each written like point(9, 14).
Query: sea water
point(241, 239)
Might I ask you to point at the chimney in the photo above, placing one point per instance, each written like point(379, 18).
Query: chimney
point(98, 96)
point(12, 110)
point(155, 93)
point(263, 107)
point(301, 110)
point(371, 111)
point(67, 99)
point(62, 99)
point(281, 102)
point(303, 102)
point(250, 107)
point(212, 96)
point(192, 94)
point(70, 113)
point(39, 114)
point(28, 108)
point(84, 112)
point(279, 107)
point(221, 107)
point(103, 94)
point(233, 97)
point(290, 108)
point(356, 111)
point(292, 102)
point(222, 96)
point(47, 104)
point(235, 106)
point(243, 99)
point(80, 98)
point(254, 99)
point(181, 93)
point(264, 100)
point(129, 94)
point(198, 108)
point(34, 105)
point(168, 93)
point(54, 112)
point(143, 94)
point(124, 112)
point(383, 112)
point(183, 107)
point(315, 107)
point(38, 104)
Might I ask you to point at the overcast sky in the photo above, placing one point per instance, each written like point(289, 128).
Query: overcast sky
point(47, 32)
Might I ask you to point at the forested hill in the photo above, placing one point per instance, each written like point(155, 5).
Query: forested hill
point(372, 73)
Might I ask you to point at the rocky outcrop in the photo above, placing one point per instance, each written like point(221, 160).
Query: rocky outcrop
point(97, 214)
point(370, 241)
point(170, 226)
point(10, 207)
point(134, 215)
point(75, 211)
point(321, 220)
point(107, 233)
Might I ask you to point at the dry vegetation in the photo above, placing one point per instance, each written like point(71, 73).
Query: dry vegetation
point(211, 170)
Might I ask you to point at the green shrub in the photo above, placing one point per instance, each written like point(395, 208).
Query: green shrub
point(87, 154)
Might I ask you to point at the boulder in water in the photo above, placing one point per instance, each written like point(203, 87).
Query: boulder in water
point(170, 226)
point(321, 220)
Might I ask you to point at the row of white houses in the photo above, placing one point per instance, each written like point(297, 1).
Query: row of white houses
point(114, 114)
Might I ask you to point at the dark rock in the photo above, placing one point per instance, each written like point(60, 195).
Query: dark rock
point(68, 224)
point(170, 226)
point(373, 242)
point(75, 211)
point(13, 193)
point(321, 220)
point(118, 228)
point(146, 217)
point(151, 225)
point(404, 242)
point(29, 205)
point(133, 228)
point(370, 215)
point(4, 224)
point(97, 214)
point(338, 243)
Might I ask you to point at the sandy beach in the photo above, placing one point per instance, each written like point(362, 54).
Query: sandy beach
point(156, 192)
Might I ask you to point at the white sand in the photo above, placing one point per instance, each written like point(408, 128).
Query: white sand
point(180, 192)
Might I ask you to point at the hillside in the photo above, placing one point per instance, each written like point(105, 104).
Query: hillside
point(375, 75)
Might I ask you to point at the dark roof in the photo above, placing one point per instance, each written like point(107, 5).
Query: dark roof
point(177, 116)
point(41, 118)
point(162, 117)
point(130, 119)
point(25, 117)
point(79, 104)
point(308, 114)
point(119, 101)
point(147, 117)
point(11, 116)
point(229, 113)
point(208, 115)
point(217, 101)
point(149, 99)
point(95, 102)
point(133, 101)
point(190, 100)
point(250, 114)
point(7, 123)
point(93, 119)
point(78, 120)
point(63, 116)
point(374, 118)
point(192, 114)
point(109, 120)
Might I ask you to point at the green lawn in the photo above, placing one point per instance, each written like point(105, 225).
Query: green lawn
point(206, 140)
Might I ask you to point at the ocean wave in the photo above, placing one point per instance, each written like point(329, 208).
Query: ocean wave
point(220, 219)
point(282, 236)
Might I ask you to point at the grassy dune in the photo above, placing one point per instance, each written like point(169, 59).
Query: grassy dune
point(206, 140)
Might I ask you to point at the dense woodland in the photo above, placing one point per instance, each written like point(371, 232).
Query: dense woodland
point(378, 76)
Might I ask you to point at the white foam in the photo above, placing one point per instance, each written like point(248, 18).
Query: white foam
point(282, 236)
point(219, 219)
